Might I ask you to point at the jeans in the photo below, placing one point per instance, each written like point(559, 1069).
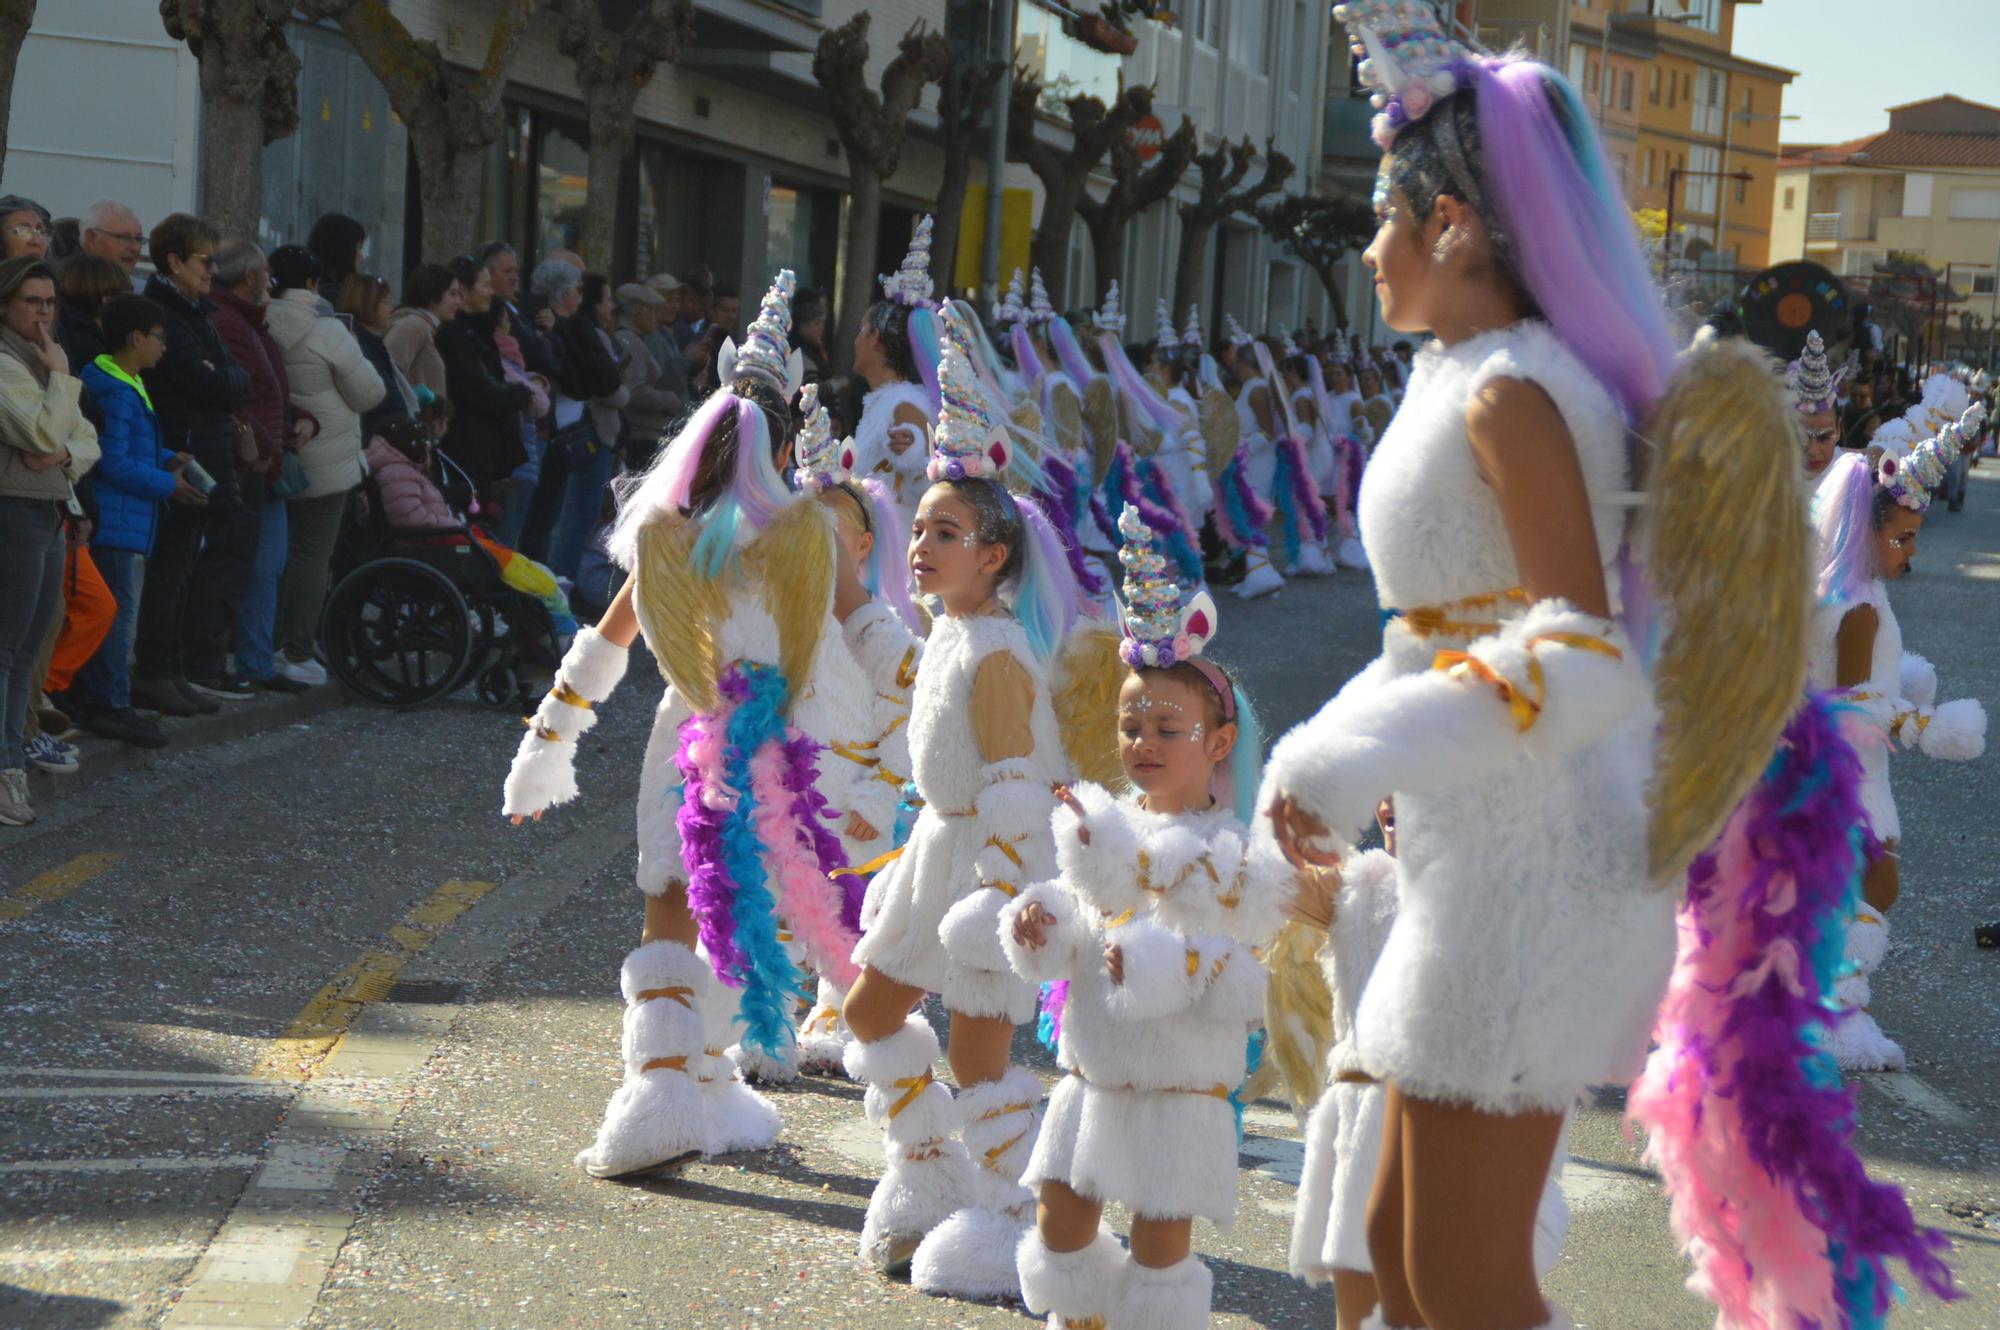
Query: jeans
point(106, 681)
point(163, 604)
point(1954, 479)
point(312, 528)
point(582, 510)
point(521, 488)
point(222, 579)
point(31, 569)
point(257, 621)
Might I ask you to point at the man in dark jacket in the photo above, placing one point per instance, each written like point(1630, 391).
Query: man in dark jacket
point(202, 557)
point(485, 435)
point(503, 268)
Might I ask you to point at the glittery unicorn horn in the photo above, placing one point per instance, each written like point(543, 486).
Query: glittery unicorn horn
point(1011, 309)
point(1160, 630)
point(1192, 336)
point(969, 440)
point(1234, 331)
point(911, 284)
point(1815, 387)
point(823, 461)
point(1111, 318)
point(1164, 340)
point(1039, 309)
point(766, 352)
point(1912, 479)
point(1409, 60)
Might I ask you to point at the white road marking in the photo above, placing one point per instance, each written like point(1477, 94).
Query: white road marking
point(302, 1166)
point(53, 1260)
point(94, 1074)
point(141, 1164)
point(139, 1091)
point(1915, 1092)
point(256, 1254)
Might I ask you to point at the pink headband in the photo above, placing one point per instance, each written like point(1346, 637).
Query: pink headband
point(1220, 682)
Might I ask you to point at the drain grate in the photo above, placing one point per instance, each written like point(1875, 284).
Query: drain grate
point(425, 990)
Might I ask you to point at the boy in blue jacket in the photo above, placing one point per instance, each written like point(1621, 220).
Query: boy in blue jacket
point(134, 477)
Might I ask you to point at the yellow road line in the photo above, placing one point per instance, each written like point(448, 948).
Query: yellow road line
point(55, 884)
point(320, 1024)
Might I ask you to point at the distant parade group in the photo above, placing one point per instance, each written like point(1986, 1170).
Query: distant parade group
point(941, 718)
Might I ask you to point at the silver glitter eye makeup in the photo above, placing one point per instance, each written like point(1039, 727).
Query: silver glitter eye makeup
point(968, 540)
point(1196, 733)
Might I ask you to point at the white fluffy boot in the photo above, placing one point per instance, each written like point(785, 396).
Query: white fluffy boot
point(971, 1254)
point(1259, 577)
point(824, 1037)
point(927, 1175)
point(1176, 1298)
point(733, 1116)
point(1072, 1288)
point(653, 1124)
point(1857, 1043)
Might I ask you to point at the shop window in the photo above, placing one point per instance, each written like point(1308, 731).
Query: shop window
point(562, 174)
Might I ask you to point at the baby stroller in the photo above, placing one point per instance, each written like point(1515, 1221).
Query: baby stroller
point(416, 615)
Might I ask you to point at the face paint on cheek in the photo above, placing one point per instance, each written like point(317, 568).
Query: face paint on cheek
point(1197, 733)
point(969, 540)
point(1380, 199)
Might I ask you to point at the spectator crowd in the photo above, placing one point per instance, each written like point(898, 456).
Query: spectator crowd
point(183, 449)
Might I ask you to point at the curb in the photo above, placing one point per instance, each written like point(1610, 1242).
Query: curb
point(104, 758)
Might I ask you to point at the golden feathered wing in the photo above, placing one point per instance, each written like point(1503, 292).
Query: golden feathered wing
point(1220, 429)
point(1087, 677)
point(1065, 419)
point(1100, 426)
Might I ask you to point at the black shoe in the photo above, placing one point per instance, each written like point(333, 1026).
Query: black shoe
point(156, 692)
point(278, 683)
point(123, 724)
point(1987, 936)
point(225, 686)
point(203, 704)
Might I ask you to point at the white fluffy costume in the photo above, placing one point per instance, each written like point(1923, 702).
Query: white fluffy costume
point(985, 755)
point(680, 1095)
point(1344, 1133)
point(878, 434)
point(1531, 950)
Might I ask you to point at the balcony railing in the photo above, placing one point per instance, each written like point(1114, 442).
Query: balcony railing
point(1825, 230)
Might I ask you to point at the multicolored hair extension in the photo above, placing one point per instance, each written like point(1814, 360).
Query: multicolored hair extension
point(984, 357)
point(1843, 522)
point(1132, 386)
point(1058, 496)
point(1027, 363)
point(1569, 230)
point(1237, 785)
point(1069, 352)
point(887, 571)
point(1743, 1107)
point(1045, 594)
point(753, 494)
point(927, 351)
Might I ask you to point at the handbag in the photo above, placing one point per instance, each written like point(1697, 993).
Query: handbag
point(573, 446)
point(247, 453)
point(292, 480)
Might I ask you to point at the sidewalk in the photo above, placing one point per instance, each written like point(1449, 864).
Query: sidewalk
point(104, 758)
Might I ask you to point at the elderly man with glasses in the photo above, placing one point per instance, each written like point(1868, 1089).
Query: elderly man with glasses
point(112, 231)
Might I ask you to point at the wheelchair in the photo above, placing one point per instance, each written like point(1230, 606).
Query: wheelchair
point(418, 615)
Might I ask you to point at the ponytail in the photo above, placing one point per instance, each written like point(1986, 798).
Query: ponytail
point(1238, 783)
point(887, 575)
point(1045, 593)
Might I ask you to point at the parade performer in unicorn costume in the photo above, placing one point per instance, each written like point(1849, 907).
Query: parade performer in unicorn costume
point(732, 584)
point(1347, 453)
point(1241, 510)
point(1172, 372)
point(896, 351)
point(1551, 783)
point(986, 753)
point(1867, 525)
point(1295, 488)
point(1149, 464)
point(1152, 921)
point(1816, 392)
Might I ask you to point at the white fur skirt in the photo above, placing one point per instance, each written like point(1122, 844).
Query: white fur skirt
point(1530, 952)
point(907, 903)
point(1876, 800)
point(1161, 1154)
point(1343, 1149)
point(1320, 462)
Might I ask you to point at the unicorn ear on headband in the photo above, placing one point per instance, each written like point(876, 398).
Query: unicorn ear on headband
point(970, 441)
point(764, 353)
point(1160, 628)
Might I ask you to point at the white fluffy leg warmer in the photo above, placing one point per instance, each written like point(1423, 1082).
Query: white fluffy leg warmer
point(823, 1037)
point(734, 1116)
point(655, 1118)
point(928, 1175)
point(971, 1254)
point(1858, 1043)
point(1176, 1298)
point(1072, 1288)
point(1259, 577)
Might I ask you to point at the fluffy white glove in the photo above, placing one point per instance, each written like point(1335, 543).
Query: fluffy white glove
point(544, 770)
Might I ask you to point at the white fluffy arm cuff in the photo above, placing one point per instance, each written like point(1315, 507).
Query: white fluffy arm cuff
point(1061, 952)
point(544, 770)
point(1549, 683)
point(883, 646)
point(1953, 732)
point(1103, 870)
point(1163, 972)
point(1920, 680)
point(1236, 985)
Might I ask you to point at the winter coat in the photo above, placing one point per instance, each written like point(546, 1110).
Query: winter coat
point(412, 341)
point(40, 421)
point(410, 501)
point(332, 381)
point(485, 436)
point(400, 399)
point(77, 331)
point(197, 389)
point(132, 479)
point(269, 411)
point(651, 406)
point(538, 354)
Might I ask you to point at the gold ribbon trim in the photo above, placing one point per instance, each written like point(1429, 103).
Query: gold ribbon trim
point(911, 1086)
point(678, 993)
point(875, 865)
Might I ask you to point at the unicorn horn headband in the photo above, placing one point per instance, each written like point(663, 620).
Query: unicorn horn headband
point(910, 285)
point(1911, 479)
point(824, 462)
point(1814, 386)
point(1011, 309)
point(1191, 334)
point(1162, 626)
point(1040, 311)
point(969, 442)
point(1111, 318)
point(1409, 61)
point(766, 353)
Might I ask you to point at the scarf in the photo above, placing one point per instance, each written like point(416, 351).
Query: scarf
point(25, 351)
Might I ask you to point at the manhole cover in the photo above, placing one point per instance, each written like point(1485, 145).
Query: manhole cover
point(425, 990)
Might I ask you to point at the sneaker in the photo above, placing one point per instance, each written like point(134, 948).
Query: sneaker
point(54, 720)
point(14, 810)
point(203, 704)
point(308, 672)
point(225, 686)
point(156, 692)
point(52, 754)
point(280, 683)
point(125, 725)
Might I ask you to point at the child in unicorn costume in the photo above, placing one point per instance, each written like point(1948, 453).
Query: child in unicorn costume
point(1867, 523)
point(1151, 465)
point(1815, 389)
point(896, 351)
point(731, 582)
point(1296, 488)
point(986, 754)
point(1241, 509)
point(1348, 435)
point(1152, 921)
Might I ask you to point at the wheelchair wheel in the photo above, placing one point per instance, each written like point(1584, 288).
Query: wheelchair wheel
point(398, 633)
point(499, 687)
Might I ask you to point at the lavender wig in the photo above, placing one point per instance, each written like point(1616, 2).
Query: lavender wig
point(1845, 517)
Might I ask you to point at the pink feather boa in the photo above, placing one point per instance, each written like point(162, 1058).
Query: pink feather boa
point(808, 901)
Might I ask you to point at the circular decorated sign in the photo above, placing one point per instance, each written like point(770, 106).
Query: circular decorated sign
point(1148, 134)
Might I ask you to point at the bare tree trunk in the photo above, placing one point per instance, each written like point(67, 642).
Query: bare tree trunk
point(448, 189)
point(15, 18)
point(1189, 265)
point(1050, 249)
point(857, 283)
point(249, 98)
point(611, 130)
point(1107, 242)
point(948, 218)
point(232, 156)
point(614, 63)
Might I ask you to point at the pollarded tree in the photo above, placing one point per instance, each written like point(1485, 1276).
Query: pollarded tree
point(872, 126)
point(15, 20)
point(249, 98)
point(1135, 187)
point(1321, 232)
point(1223, 169)
point(965, 94)
point(615, 60)
point(1065, 173)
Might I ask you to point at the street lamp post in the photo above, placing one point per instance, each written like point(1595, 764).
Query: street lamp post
point(1679, 173)
point(1728, 141)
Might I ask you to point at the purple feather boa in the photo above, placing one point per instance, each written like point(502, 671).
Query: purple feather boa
point(811, 813)
point(1059, 502)
point(1298, 474)
point(703, 813)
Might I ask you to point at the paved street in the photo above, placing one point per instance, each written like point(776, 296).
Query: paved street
point(295, 1030)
